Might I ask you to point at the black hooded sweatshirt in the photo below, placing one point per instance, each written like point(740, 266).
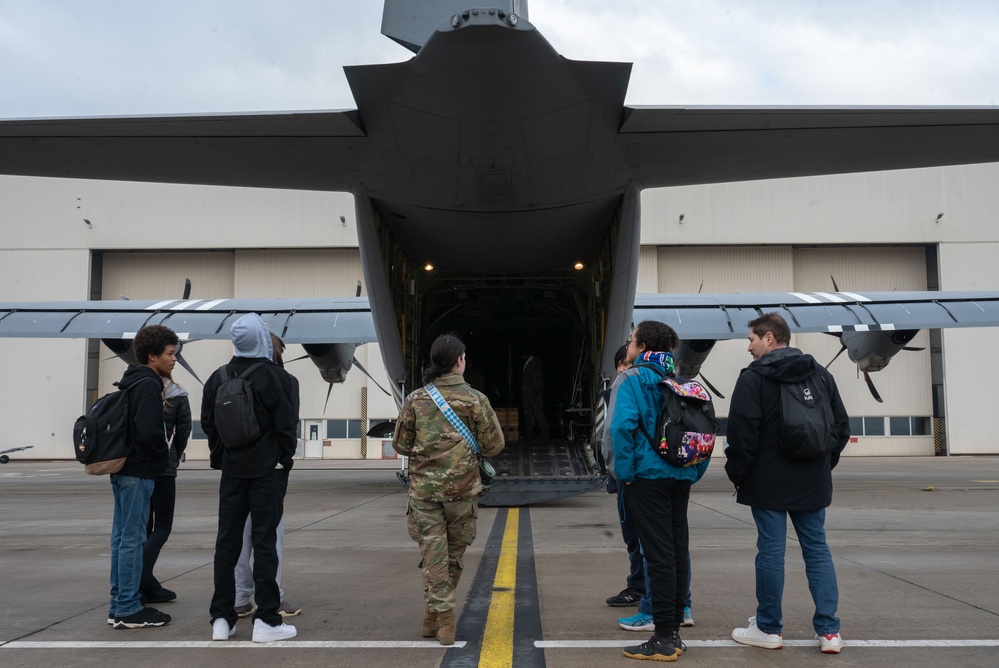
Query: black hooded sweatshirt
point(148, 453)
point(765, 478)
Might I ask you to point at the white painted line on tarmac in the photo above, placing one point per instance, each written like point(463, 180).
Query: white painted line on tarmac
point(433, 644)
point(223, 644)
point(594, 644)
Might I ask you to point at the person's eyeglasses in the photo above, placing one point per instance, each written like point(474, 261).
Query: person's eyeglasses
point(629, 342)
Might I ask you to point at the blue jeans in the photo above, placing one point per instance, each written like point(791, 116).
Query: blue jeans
point(771, 544)
point(128, 535)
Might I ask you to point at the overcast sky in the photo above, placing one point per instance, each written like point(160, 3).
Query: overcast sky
point(117, 57)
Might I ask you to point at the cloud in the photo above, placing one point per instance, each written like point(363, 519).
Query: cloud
point(107, 57)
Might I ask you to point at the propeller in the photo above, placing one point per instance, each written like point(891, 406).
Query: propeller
point(874, 390)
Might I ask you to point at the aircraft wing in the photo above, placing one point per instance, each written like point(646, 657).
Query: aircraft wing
point(346, 320)
point(724, 316)
point(673, 146)
point(294, 150)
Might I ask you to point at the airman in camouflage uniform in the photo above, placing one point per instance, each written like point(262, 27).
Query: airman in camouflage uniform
point(444, 485)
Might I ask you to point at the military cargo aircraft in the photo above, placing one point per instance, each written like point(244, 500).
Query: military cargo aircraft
point(496, 186)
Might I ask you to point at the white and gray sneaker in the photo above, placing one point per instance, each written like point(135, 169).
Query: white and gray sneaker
point(752, 635)
point(264, 632)
point(830, 643)
point(221, 630)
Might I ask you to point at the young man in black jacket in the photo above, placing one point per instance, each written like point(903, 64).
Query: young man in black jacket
point(156, 350)
point(254, 482)
point(776, 487)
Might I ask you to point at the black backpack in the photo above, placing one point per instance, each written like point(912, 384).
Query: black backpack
point(235, 417)
point(806, 432)
point(686, 425)
point(100, 437)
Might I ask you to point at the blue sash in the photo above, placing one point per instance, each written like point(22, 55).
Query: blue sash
point(452, 417)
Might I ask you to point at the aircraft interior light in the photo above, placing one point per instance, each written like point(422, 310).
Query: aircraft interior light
point(578, 266)
point(428, 267)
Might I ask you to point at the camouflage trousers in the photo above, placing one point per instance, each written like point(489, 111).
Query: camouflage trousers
point(443, 530)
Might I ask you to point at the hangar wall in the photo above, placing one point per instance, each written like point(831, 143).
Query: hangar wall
point(972, 354)
point(868, 231)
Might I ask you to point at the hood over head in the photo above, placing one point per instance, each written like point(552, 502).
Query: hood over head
point(785, 365)
point(172, 389)
point(251, 338)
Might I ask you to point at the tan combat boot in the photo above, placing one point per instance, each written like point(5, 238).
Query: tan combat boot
point(445, 634)
point(430, 624)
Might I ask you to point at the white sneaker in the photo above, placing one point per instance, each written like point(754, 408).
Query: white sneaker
point(221, 630)
point(264, 632)
point(830, 643)
point(752, 635)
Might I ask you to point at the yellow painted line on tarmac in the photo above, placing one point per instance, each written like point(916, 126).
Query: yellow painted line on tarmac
point(497, 640)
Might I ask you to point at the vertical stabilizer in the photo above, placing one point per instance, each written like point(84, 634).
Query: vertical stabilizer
point(412, 22)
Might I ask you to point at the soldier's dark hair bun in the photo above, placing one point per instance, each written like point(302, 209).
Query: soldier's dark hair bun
point(444, 354)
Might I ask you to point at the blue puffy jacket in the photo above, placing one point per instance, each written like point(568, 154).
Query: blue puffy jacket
point(635, 398)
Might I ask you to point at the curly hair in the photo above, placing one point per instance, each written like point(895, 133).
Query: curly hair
point(153, 340)
point(657, 336)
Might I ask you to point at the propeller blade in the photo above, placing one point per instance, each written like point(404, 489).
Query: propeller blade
point(328, 392)
point(842, 348)
point(187, 289)
point(387, 393)
point(711, 387)
point(870, 386)
point(188, 368)
point(911, 349)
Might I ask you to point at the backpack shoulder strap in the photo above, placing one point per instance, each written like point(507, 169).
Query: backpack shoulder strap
point(253, 367)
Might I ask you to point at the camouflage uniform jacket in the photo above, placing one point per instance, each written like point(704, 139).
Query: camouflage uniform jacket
point(442, 465)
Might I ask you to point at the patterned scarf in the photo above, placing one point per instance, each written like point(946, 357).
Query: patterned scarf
point(665, 360)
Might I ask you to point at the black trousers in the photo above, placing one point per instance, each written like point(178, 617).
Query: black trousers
point(263, 500)
point(659, 509)
point(161, 506)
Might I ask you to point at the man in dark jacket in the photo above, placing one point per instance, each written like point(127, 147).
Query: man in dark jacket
point(156, 351)
point(776, 487)
point(254, 482)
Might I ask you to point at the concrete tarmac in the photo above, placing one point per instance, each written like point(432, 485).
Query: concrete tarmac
point(915, 542)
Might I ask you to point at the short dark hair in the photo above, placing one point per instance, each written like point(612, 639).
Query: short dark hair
point(621, 355)
point(444, 354)
point(773, 323)
point(152, 340)
point(657, 336)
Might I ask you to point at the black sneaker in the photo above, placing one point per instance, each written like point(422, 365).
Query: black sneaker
point(142, 619)
point(627, 598)
point(656, 649)
point(678, 643)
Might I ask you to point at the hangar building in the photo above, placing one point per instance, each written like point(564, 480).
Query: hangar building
point(924, 229)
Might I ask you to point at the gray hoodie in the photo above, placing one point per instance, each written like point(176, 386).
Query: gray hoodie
point(251, 338)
